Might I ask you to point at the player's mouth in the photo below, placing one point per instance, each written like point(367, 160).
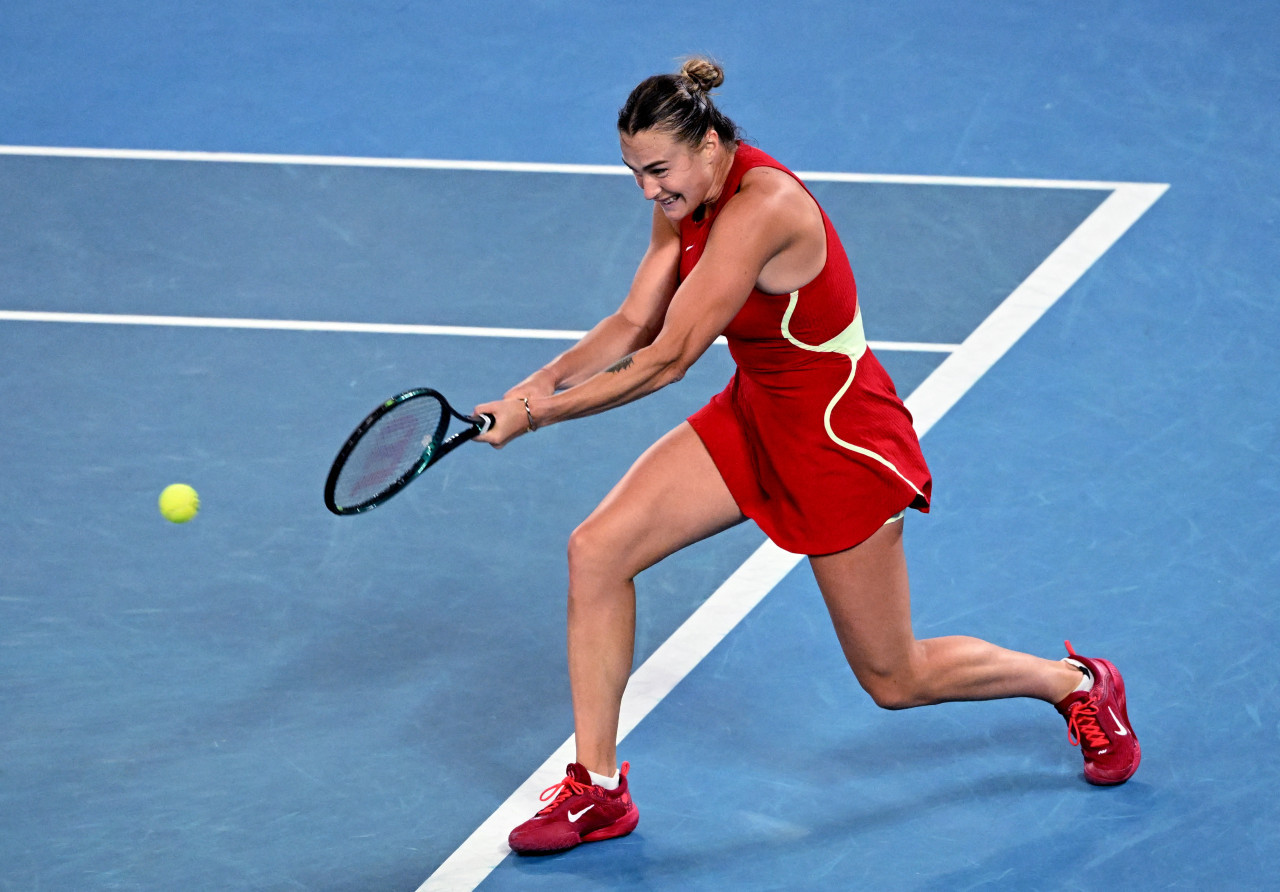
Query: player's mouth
point(668, 202)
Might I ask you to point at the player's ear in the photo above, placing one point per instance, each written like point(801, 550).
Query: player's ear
point(711, 141)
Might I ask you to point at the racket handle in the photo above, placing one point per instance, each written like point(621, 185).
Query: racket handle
point(485, 420)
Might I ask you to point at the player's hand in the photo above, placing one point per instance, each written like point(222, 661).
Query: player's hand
point(509, 421)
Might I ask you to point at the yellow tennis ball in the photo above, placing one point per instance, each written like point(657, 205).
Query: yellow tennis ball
point(179, 503)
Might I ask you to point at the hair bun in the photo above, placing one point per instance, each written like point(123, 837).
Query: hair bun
point(703, 74)
point(679, 104)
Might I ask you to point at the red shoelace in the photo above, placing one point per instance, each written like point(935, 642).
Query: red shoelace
point(1082, 723)
point(558, 793)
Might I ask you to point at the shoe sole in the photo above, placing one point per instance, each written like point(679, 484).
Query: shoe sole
point(1112, 777)
point(620, 827)
point(1099, 780)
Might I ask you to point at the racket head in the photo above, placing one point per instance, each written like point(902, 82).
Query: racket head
point(393, 445)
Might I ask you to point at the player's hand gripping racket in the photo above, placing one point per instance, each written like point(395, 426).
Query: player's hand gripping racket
point(398, 441)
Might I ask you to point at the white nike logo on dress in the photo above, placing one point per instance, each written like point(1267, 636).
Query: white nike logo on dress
point(690, 248)
point(1120, 728)
point(573, 818)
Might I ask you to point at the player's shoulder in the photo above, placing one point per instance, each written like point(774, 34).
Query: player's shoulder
point(774, 195)
point(772, 186)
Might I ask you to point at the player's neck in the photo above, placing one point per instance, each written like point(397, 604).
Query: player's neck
point(720, 174)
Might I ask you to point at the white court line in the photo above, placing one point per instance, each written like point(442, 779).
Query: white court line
point(518, 167)
point(476, 858)
point(287, 325)
point(469, 331)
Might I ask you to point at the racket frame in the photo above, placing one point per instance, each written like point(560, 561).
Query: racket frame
point(438, 448)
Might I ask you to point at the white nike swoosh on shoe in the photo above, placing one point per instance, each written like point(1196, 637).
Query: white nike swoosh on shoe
point(573, 818)
point(1120, 728)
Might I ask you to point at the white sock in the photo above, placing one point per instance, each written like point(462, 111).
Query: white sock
point(608, 783)
point(1086, 683)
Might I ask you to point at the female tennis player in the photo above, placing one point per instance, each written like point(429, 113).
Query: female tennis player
point(809, 440)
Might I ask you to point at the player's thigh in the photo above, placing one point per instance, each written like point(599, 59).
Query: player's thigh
point(671, 497)
point(868, 595)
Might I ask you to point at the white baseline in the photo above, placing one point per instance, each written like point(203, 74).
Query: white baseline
point(465, 331)
point(519, 167)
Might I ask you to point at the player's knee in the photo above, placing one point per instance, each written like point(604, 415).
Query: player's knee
point(893, 698)
point(580, 548)
point(893, 689)
point(590, 548)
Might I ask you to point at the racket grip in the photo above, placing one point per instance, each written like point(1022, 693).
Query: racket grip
point(485, 421)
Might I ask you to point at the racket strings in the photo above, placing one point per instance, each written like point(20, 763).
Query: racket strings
point(389, 450)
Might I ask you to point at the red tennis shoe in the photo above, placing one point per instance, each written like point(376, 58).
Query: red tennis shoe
point(578, 811)
point(1098, 721)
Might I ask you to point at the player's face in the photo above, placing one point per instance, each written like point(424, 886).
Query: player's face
point(677, 176)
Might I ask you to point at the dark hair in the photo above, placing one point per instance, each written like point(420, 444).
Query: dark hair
point(679, 104)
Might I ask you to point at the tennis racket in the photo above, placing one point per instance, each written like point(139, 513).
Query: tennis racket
point(398, 441)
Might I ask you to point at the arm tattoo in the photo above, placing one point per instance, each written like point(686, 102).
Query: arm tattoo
point(621, 365)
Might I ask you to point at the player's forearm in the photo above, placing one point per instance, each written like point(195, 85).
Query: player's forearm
point(630, 378)
point(613, 337)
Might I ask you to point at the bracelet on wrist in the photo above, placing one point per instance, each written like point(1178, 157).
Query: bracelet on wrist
point(528, 413)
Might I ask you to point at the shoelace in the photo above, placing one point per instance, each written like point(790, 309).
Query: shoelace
point(558, 793)
point(1083, 723)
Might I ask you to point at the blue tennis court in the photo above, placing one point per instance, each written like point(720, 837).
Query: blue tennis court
point(227, 233)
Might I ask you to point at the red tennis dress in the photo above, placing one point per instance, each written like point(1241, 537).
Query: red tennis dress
point(810, 436)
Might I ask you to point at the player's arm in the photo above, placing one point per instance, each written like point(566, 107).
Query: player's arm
point(633, 325)
point(756, 226)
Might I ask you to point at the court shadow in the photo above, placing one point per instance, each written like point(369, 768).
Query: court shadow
point(811, 823)
point(766, 853)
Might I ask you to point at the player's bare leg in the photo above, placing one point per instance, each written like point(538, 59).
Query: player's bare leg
point(869, 598)
point(671, 497)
